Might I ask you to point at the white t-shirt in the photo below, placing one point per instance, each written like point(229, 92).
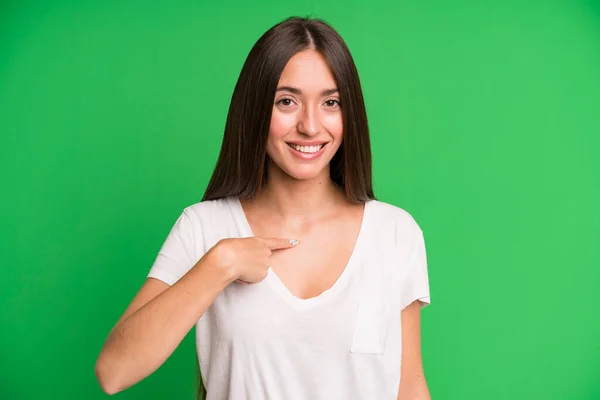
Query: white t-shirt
point(260, 342)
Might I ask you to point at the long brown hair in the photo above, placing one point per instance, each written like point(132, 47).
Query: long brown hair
point(241, 166)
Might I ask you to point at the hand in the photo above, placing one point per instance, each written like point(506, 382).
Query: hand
point(248, 259)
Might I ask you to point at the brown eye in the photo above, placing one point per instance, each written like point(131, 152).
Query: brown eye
point(332, 103)
point(285, 102)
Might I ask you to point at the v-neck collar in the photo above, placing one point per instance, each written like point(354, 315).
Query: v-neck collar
point(277, 285)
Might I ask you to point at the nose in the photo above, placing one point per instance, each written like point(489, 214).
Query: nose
point(309, 123)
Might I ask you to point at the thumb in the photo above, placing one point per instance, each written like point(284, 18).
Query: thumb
point(278, 243)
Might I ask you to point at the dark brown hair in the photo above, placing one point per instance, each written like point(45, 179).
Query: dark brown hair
point(241, 167)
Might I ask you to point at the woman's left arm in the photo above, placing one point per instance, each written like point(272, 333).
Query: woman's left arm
point(412, 378)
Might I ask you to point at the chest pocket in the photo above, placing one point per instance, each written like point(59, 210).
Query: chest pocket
point(372, 317)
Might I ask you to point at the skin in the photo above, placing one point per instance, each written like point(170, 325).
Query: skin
point(299, 201)
point(413, 385)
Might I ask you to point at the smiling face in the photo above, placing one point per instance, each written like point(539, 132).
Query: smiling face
point(306, 124)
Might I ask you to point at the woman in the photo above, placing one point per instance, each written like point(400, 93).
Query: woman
point(301, 285)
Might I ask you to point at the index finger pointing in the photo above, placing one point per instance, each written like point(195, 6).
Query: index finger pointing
point(278, 243)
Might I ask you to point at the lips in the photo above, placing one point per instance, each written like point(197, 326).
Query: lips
point(307, 149)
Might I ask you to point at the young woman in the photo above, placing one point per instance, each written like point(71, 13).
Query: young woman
point(300, 284)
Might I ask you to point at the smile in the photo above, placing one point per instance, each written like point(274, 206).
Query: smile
point(306, 149)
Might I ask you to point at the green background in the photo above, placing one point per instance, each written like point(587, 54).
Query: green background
point(485, 121)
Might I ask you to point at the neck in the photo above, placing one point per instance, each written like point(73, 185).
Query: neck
point(291, 197)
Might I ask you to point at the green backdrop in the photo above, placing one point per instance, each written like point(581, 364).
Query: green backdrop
point(485, 120)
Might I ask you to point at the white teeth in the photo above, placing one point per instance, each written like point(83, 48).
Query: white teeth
point(307, 149)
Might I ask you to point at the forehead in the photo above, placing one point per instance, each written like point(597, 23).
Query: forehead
point(307, 70)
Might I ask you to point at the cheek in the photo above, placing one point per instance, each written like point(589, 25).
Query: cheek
point(334, 125)
point(281, 124)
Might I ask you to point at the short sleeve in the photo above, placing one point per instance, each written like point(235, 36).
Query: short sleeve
point(178, 252)
point(415, 285)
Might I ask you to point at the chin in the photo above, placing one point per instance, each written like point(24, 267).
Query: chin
point(305, 172)
point(306, 175)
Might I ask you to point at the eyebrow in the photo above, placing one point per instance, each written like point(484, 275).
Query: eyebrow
point(326, 92)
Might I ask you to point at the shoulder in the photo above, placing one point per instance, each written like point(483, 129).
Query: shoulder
point(393, 218)
point(208, 208)
point(208, 216)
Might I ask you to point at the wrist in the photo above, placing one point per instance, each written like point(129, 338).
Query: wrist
point(219, 271)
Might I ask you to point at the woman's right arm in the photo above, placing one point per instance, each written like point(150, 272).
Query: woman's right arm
point(160, 315)
point(156, 322)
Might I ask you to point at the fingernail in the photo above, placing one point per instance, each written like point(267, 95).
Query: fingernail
point(293, 242)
